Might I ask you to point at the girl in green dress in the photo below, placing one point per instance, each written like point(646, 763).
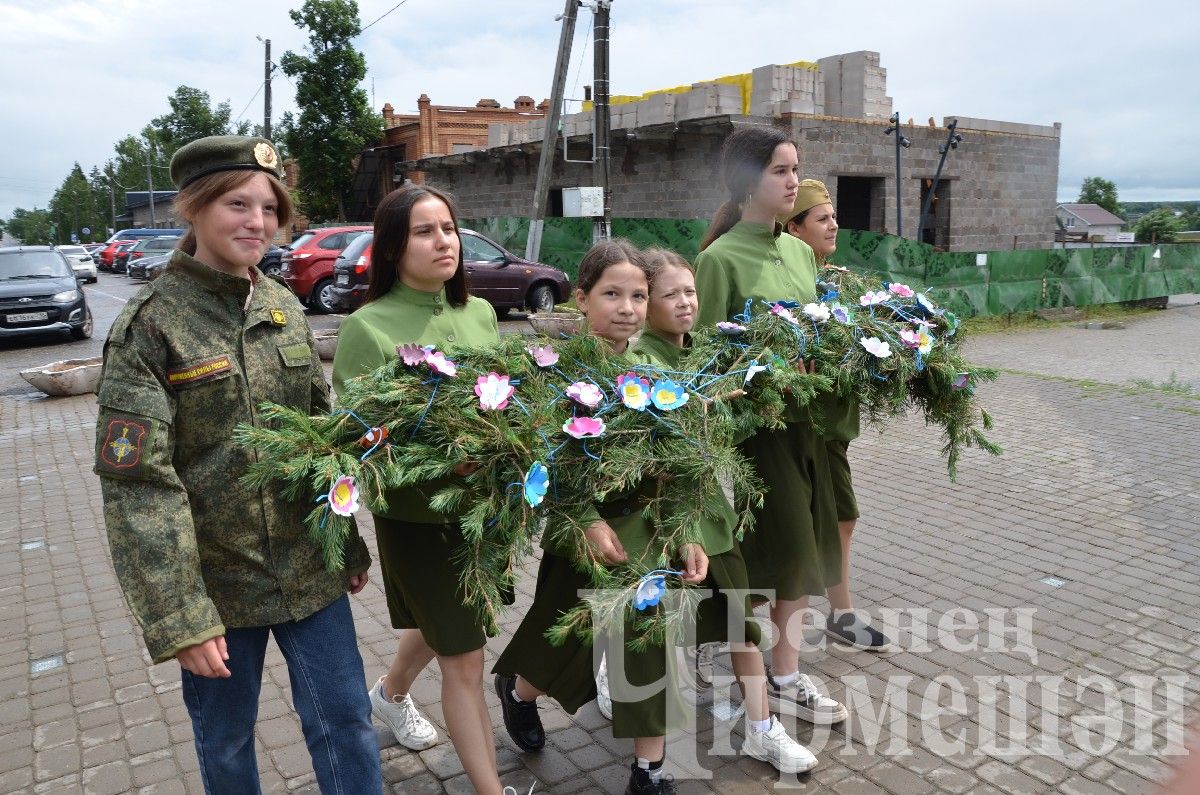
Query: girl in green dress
point(744, 265)
point(813, 219)
point(418, 293)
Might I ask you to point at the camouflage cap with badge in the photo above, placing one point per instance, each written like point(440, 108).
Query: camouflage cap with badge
point(223, 153)
point(809, 194)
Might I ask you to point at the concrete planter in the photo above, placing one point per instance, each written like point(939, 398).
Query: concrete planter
point(326, 343)
point(68, 377)
point(556, 325)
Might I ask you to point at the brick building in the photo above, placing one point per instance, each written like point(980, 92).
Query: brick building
point(433, 130)
point(997, 189)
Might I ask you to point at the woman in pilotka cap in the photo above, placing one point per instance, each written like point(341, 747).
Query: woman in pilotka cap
point(813, 220)
point(209, 565)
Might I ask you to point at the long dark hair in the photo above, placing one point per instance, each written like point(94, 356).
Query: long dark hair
point(602, 256)
point(391, 239)
point(745, 156)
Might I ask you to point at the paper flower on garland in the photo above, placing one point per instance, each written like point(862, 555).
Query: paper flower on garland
point(951, 321)
point(725, 327)
point(543, 355)
point(584, 427)
point(910, 338)
point(438, 362)
point(412, 354)
point(650, 591)
point(634, 391)
point(754, 369)
point(873, 298)
point(924, 340)
point(817, 313)
point(785, 313)
point(901, 290)
point(537, 481)
point(343, 497)
point(373, 437)
point(493, 391)
point(667, 395)
point(586, 394)
point(876, 347)
point(926, 306)
point(841, 314)
point(960, 381)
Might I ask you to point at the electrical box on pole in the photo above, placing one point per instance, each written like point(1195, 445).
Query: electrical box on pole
point(583, 202)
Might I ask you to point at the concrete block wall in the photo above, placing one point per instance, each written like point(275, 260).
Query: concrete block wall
point(855, 86)
point(795, 89)
point(708, 99)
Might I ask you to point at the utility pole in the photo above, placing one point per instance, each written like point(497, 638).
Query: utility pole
point(267, 91)
point(601, 120)
point(150, 181)
point(900, 141)
point(550, 139)
point(112, 199)
point(953, 139)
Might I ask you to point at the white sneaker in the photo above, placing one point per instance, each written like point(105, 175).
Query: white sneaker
point(776, 747)
point(404, 719)
point(603, 697)
point(702, 667)
point(805, 701)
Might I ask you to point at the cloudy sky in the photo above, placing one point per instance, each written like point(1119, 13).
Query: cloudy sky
point(1122, 78)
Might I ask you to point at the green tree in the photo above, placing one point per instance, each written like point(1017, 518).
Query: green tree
point(31, 227)
point(1190, 220)
point(192, 117)
point(73, 207)
point(1097, 190)
point(336, 121)
point(1158, 226)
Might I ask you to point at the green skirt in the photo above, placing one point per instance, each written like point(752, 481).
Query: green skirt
point(794, 549)
point(843, 485)
point(422, 584)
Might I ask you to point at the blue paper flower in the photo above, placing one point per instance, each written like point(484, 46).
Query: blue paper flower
point(667, 395)
point(650, 590)
point(537, 480)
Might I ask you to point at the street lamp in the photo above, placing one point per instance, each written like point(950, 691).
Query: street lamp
point(900, 141)
point(953, 139)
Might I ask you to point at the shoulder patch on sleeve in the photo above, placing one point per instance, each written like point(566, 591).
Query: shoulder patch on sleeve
point(121, 450)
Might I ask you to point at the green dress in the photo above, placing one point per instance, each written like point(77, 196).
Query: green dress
point(795, 549)
point(417, 544)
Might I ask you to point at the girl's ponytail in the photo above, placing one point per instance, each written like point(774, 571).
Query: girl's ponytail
point(726, 216)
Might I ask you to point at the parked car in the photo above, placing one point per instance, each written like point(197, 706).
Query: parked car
point(40, 293)
point(138, 234)
point(121, 256)
point(140, 268)
point(503, 279)
point(271, 261)
point(307, 264)
point(155, 267)
point(350, 274)
point(149, 247)
point(105, 262)
point(80, 262)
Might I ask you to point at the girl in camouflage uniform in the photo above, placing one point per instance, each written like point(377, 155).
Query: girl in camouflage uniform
point(210, 566)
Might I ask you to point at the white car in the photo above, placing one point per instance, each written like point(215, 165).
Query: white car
point(81, 262)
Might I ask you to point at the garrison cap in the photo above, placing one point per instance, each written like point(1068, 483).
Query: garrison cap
point(810, 193)
point(223, 153)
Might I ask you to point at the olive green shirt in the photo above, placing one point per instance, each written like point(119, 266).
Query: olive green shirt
point(369, 337)
point(195, 549)
point(717, 526)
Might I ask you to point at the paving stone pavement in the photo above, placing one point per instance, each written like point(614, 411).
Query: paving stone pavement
point(1098, 489)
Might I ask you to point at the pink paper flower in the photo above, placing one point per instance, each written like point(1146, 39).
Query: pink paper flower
point(412, 353)
point(871, 299)
point(901, 290)
point(876, 347)
point(634, 391)
point(726, 327)
point(438, 362)
point(343, 496)
point(543, 355)
point(493, 391)
point(785, 313)
point(910, 338)
point(587, 394)
point(584, 427)
point(960, 381)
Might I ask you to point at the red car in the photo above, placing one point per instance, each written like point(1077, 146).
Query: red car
point(307, 264)
point(107, 253)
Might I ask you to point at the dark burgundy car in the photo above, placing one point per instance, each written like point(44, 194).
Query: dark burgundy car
point(504, 280)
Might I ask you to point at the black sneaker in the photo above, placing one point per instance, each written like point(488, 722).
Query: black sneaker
point(521, 718)
point(855, 630)
point(640, 783)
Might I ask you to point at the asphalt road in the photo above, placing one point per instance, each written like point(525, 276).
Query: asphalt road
point(106, 298)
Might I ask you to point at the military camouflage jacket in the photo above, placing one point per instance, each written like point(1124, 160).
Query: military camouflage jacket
point(194, 548)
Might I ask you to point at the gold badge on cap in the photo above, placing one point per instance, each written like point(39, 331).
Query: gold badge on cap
point(278, 318)
point(266, 156)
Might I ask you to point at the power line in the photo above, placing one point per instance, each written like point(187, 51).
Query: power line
point(579, 68)
point(256, 93)
point(390, 10)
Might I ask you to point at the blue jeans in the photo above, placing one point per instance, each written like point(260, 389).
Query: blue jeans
point(328, 690)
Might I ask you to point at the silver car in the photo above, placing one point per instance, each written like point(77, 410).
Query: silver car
point(81, 262)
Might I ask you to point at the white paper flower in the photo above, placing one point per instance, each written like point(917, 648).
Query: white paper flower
point(876, 347)
point(817, 313)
